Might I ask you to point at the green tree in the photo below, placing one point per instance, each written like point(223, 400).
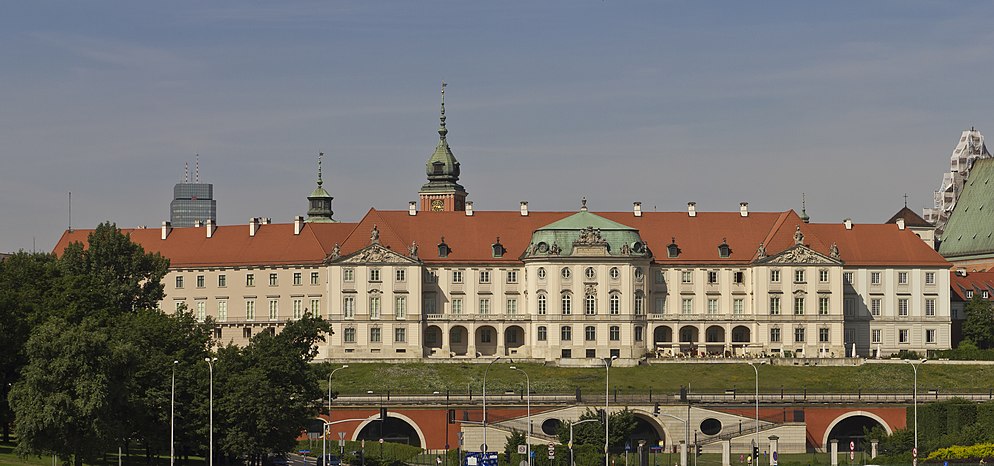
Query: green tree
point(979, 324)
point(516, 438)
point(621, 426)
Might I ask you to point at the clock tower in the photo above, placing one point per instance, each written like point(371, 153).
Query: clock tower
point(442, 192)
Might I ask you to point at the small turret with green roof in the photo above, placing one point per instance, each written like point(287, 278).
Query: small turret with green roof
point(319, 202)
point(442, 191)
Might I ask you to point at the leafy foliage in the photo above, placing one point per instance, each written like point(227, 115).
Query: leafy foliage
point(979, 324)
point(957, 452)
point(621, 426)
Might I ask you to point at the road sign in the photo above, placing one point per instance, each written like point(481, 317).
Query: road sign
point(381, 441)
point(774, 457)
point(852, 445)
point(303, 452)
point(341, 436)
point(460, 439)
point(522, 449)
point(483, 447)
point(552, 451)
point(628, 446)
point(914, 452)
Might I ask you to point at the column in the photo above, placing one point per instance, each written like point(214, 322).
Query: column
point(726, 453)
point(834, 451)
point(774, 456)
point(683, 453)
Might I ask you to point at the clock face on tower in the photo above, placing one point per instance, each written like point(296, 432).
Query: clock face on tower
point(437, 205)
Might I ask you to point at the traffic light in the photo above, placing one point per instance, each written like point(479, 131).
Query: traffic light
point(755, 453)
point(383, 414)
point(602, 416)
point(655, 410)
point(700, 449)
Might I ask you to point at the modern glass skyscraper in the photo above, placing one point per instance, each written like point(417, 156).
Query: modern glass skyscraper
point(192, 203)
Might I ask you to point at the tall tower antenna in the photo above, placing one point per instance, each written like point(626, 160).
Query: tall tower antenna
point(186, 172)
point(197, 176)
point(320, 156)
point(70, 210)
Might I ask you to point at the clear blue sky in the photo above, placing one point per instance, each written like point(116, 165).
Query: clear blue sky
point(853, 103)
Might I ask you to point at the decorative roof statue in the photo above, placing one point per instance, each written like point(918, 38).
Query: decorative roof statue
point(761, 252)
point(336, 252)
point(413, 249)
point(374, 235)
point(798, 236)
point(834, 251)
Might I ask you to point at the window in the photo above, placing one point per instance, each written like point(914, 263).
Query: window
point(687, 305)
point(589, 333)
point(374, 306)
point(484, 276)
point(400, 306)
point(775, 335)
point(660, 279)
point(969, 294)
point(349, 336)
point(457, 276)
point(902, 278)
point(823, 276)
point(774, 305)
point(589, 273)
point(274, 309)
point(799, 335)
point(374, 275)
point(614, 273)
point(986, 295)
point(315, 278)
point(316, 307)
point(849, 306)
point(457, 305)
point(615, 333)
point(486, 335)
point(875, 336)
point(902, 307)
point(799, 276)
point(297, 279)
point(298, 309)
point(249, 279)
point(348, 275)
point(400, 275)
point(429, 276)
point(567, 304)
point(200, 281)
point(930, 307)
point(179, 281)
point(222, 281)
point(875, 306)
point(712, 277)
point(798, 305)
point(567, 353)
point(399, 335)
point(775, 276)
point(565, 273)
point(246, 332)
point(823, 306)
point(823, 335)
point(686, 276)
point(712, 305)
point(541, 273)
point(660, 305)
point(848, 277)
point(929, 278)
point(222, 311)
point(874, 278)
point(250, 310)
point(348, 307)
point(566, 333)
point(201, 311)
point(639, 303)
point(738, 306)
point(738, 278)
point(512, 306)
point(542, 304)
point(512, 276)
point(639, 334)
point(930, 335)
point(180, 305)
point(590, 304)
point(543, 334)
point(273, 279)
point(904, 336)
point(615, 303)
point(484, 305)
point(374, 335)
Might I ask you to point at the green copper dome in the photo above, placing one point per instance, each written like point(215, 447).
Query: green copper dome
point(586, 234)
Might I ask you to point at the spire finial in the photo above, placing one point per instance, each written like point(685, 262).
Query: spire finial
point(320, 155)
point(583, 204)
point(441, 119)
point(804, 213)
point(905, 199)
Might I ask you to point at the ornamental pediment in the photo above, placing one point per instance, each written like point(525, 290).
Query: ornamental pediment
point(799, 254)
point(373, 254)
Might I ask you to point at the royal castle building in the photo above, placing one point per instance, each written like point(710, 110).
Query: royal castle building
point(441, 281)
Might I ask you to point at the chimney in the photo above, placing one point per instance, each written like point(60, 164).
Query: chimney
point(637, 209)
point(692, 209)
point(469, 208)
point(298, 224)
point(412, 208)
point(524, 208)
point(210, 228)
point(961, 272)
point(253, 225)
point(197, 224)
point(900, 224)
point(166, 229)
point(848, 223)
point(267, 220)
point(744, 209)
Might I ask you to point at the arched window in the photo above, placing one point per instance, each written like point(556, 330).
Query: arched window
point(542, 304)
point(615, 303)
point(590, 305)
point(567, 303)
point(543, 334)
point(590, 333)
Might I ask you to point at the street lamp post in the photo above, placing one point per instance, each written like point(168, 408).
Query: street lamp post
point(915, 402)
point(607, 395)
point(324, 433)
point(485, 446)
point(172, 417)
point(210, 429)
point(528, 390)
point(756, 441)
point(571, 437)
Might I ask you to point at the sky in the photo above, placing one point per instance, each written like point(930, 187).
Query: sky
point(854, 104)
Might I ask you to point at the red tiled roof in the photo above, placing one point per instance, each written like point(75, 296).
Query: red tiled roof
point(973, 281)
point(878, 245)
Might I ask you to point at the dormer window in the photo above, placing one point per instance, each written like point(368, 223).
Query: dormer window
point(443, 249)
point(438, 168)
point(672, 250)
point(498, 249)
point(723, 249)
